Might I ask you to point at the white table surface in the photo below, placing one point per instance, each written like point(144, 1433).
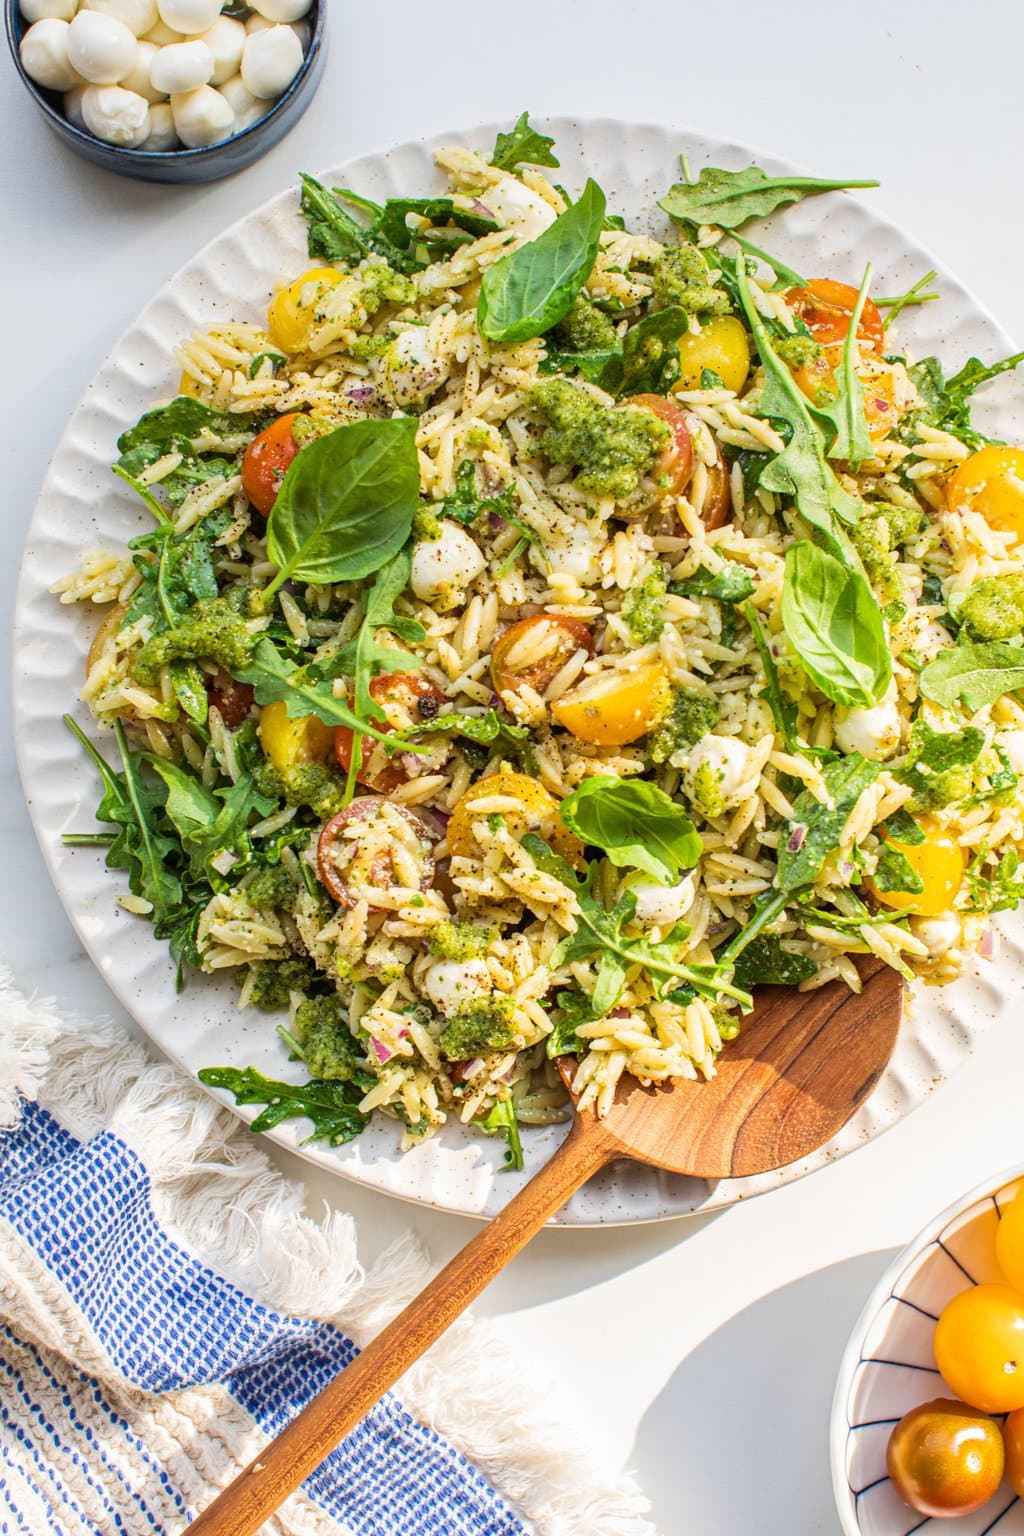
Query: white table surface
point(702, 1353)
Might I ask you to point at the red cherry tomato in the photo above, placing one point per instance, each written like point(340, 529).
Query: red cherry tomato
point(346, 863)
point(717, 508)
point(266, 459)
point(398, 694)
point(551, 638)
point(233, 700)
point(826, 308)
point(675, 463)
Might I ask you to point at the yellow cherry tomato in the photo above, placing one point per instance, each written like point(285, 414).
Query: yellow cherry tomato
point(1013, 1441)
point(291, 308)
point(290, 743)
point(721, 344)
point(979, 1347)
point(529, 809)
point(991, 482)
point(1010, 1242)
point(939, 861)
point(612, 709)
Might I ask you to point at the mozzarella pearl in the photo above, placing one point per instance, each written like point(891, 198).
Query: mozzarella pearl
point(41, 10)
point(162, 134)
point(300, 28)
point(271, 61)
point(873, 732)
point(716, 773)
point(941, 933)
point(662, 904)
point(451, 984)
point(181, 67)
point(137, 15)
point(443, 568)
point(115, 115)
point(282, 10)
point(44, 55)
point(226, 41)
point(73, 105)
point(189, 16)
point(100, 48)
point(161, 35)
point(140, 79)
point(517, 207)
point(202, 117)
point(248, 109)
point(410, 369)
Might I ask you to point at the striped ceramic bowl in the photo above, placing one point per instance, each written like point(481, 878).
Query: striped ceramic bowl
point(889, 1368)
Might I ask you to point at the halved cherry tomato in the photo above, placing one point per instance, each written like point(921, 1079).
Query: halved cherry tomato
point(940, 863)
point(532, 651)
point(534, 810)
point(291, 309)
point(674, 465)
point(612, 709)
point(826, 308)
point(266, 459)
point(233, 700)
point(717, 508)
point(289, 743)
point(879, 404)
point(945, 1460)
point(407, 699)
point(979, 1347)
point(991, 482)
point(721, 344)
point(1013, 1443)
point(363, 870)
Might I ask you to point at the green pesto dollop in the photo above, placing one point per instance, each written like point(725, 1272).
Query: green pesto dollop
point(584, 328)
point(330, 1052)
point(478, 1028)
point(644, 605)
point(877, 538)
point(211, 630)
point(690, 716)
point(611, 449)
point(994, 608)
point(272, 888)
point(426, 525)
point(274, 980)
point(707, 794)
point(798, 350)
point(452, 940)
point(310, 784)
point(682, 276)
point(380, 284)
point(935, 788)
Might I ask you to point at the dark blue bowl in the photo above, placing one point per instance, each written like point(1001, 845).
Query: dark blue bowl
point(195, 165)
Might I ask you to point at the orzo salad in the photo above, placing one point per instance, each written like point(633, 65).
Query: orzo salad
point(545, 635)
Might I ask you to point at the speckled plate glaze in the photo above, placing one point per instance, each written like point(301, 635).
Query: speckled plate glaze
point(889, 1367)
point(81, 502)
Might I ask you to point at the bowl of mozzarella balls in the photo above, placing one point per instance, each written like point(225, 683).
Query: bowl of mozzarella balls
point(169, 90)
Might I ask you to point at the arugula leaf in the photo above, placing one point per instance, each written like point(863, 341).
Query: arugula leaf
point(636, 824)
point(844, 420)
point(181, 427)
point(947, 402)
point(485, 729)
point(302, 693)
point(974, 672)
point(522, 145)
point(331, 1106)
point(650, 354)
point(1000, 891)
point(913, 295)
point(731, 584)
point(729, 198)
point(179, 424)
point(833, 622)
point(785, 277)
point(175, 571)
point(500, 1120)
point(574, 1008)
point(801, 470)
point(210, 821)
point(902, 828)
point(334, 235)
point(784, 710)
point(529, 290)
point(346, 503)
point(894, 872)
point(845, 781)
point(599, 365)
point(275, 359)
point(766, 962)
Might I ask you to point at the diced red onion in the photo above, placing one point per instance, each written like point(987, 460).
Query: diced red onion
point(797, 837)
point(846, 869)
point(987, 944)
point(495, 521)
point(619, 1013)
point(361, 394)
point(472, 1067)
point(381, 1052)
point(477, 207)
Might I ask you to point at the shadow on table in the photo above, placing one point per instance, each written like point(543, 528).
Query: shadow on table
point(737, 1440)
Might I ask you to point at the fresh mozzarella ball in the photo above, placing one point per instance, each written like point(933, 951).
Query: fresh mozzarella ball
point(181, 67)
point(1012, 743)
point(202, 117)
point(162, 133)
point(662, 904)
point(516, 207)
point(189, 16)
point(248, 109)
point(137, 15)
point(100, 48)
point(115, 115)
point(941, 933)
point(409, 369)
point(300, 28)
point(715, 775)
point(443, 568)
point(225, 40)
point(161, 35)
point(73, 105)
point(873, 732)
point(451, 984)
point(271, 61)
point(44, 55)
point(40, 10)
point(140, 79)
point(575, 547)
point(282, 10)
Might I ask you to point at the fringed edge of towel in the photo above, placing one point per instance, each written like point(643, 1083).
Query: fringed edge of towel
point(215, 1192)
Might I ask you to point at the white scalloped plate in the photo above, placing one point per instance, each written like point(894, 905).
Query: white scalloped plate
point(81, 503)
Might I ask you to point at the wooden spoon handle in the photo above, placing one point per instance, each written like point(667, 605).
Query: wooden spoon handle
point(300, 1448)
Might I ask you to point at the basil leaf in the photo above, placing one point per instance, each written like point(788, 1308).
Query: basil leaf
point(833, 622)
point(767, 963)
point(636, 824)
point(894, 872)
point(346, 503)
point(599, 365)
point(975, 673)
point(522, 145)
point(331, 1106)
point(730, 198)
point(844, 419)
point(528, 291)
point(732, 584)
point(821, 825)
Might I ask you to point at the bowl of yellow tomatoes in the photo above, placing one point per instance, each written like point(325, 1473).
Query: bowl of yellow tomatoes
point(928, 1417)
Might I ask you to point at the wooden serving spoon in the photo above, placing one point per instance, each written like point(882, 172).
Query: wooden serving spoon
point(801, 1066)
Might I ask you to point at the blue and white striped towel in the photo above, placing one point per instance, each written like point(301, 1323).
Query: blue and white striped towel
point(165, 1307)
